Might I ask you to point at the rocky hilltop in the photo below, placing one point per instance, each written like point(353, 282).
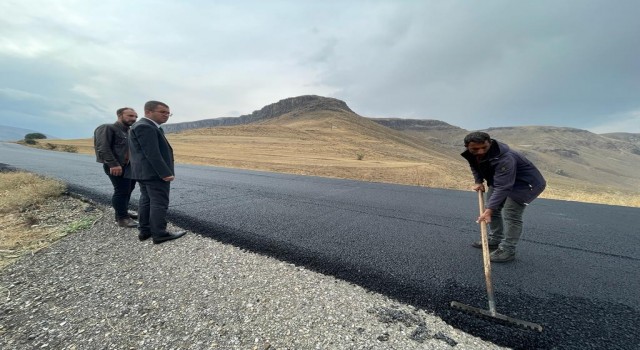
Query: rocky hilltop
point(300, 104)
point(305, 103)
point(415, 124)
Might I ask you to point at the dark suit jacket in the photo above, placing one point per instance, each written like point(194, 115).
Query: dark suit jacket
point(151, 154)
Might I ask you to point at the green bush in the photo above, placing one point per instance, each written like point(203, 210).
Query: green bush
point(34, 136)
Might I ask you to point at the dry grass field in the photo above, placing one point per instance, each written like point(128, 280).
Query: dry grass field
point(343, 145)
point(23, 225)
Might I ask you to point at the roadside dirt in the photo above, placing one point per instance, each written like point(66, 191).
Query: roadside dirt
point(29, 230)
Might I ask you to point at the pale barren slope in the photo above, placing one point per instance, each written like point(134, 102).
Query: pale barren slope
point(579, 165)
point(578, 156)
point(445, 137)
point(632, 138)
point(325, 143)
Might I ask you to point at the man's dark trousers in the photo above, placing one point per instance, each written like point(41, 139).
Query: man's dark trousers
point(122, 188)
point(153, 206)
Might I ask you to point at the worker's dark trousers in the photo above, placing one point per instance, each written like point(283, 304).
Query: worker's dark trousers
point(506, 223)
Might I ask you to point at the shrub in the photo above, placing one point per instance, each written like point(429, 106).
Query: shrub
point(34, 136)
point(69, 148)
point(360, 156)
point(30, 141)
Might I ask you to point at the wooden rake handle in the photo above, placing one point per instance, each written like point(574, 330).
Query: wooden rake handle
point(485, 255)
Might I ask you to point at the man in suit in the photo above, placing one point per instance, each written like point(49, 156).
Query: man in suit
point(112, 150)
point(152, 167)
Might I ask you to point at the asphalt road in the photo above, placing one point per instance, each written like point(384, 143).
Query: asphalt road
point(576, 271)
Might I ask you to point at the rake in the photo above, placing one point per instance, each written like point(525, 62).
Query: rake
point(491, 314)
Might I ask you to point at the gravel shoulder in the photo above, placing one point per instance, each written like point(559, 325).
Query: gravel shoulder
point(101, 288)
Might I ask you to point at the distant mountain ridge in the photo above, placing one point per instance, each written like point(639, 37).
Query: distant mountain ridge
point(415, 124)
point(10, 133)
point(300, 104)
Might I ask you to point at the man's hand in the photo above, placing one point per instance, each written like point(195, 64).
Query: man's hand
point(478, 187)
point(115, 171)
point(486, 216)
point(169, 178)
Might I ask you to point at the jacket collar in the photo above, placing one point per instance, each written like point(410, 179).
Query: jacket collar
point(495, 151)
point(121, 126)
point(150, 122)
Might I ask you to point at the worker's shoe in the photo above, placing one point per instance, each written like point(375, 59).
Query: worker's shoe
point(500, 255)
point(127, 222)
point(492, 245)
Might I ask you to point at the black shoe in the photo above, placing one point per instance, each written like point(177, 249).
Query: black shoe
point(133, 215)
point(492, 245)
point(127, 222)
point(168, 237)
point(143, 236)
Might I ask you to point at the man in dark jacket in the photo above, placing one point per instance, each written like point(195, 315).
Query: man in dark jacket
point(513, 183)
point(152, 167)
point(112, 150)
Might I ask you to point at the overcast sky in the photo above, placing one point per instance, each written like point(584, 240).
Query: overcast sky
point(66, 66)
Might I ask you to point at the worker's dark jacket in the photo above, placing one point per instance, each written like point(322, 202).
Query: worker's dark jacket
point(111, 144)
point(509, 173)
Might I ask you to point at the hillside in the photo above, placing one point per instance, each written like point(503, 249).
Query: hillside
point(313, 135)
point(573, 159)
point(320, 137)
point(631, 141)
point(578, 156)
point(299, 104)
point(446, 136)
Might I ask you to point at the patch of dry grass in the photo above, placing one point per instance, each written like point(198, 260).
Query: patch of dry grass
point(33, 214)
point(18, 190)
point(588, 194)
point(19, 237)
point(51, 146)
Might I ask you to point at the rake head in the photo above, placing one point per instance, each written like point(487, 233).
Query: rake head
point(496, 316)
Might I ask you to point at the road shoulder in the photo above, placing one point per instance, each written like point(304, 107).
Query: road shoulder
point(102, 287)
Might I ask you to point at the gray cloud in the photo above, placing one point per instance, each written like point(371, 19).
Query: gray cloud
point(69, 65)
point(477, 66)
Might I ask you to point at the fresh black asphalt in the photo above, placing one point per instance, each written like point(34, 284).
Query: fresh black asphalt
point(576, 271)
